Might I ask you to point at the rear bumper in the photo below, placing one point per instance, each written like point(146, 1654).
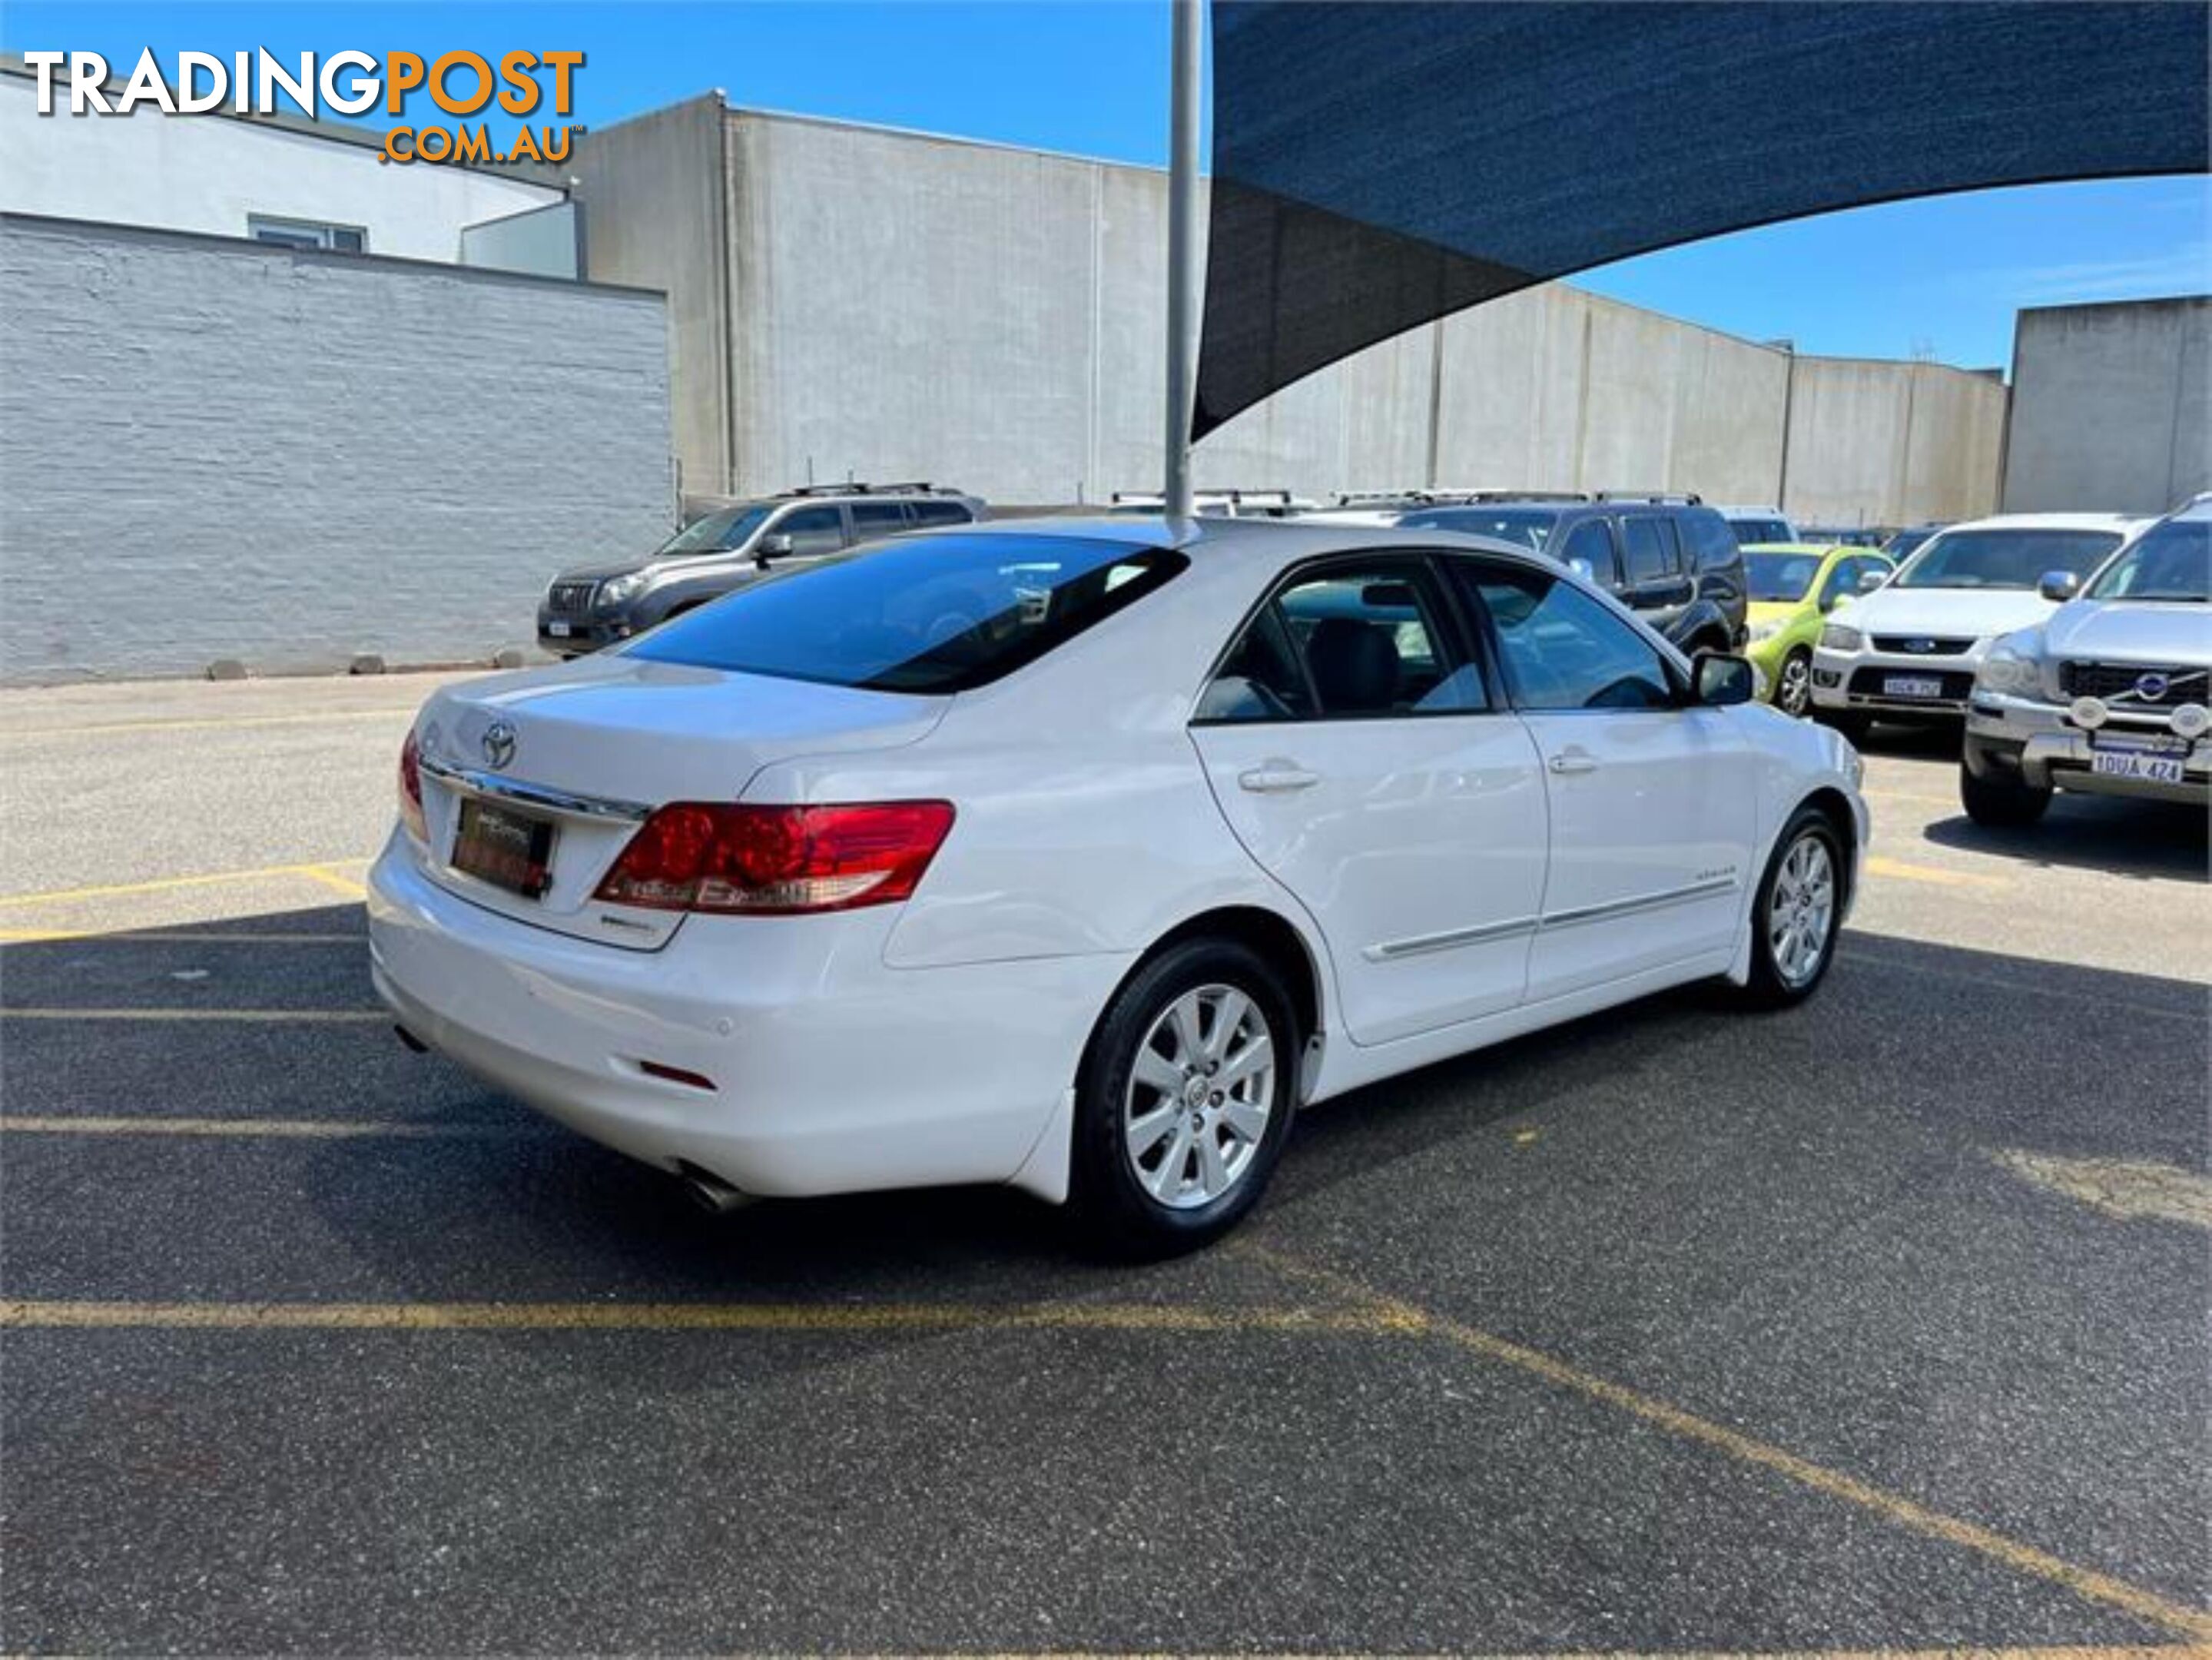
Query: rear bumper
point(830, 1072)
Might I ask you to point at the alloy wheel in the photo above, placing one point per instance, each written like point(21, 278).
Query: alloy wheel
point(1200, 1097)
point(1793, 691)
point(1801, 914)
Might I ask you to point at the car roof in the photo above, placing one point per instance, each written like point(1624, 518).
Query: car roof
point(2113, 522)
point(1804, 547)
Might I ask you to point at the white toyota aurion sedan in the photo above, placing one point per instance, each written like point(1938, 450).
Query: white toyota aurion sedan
point(1079, 854)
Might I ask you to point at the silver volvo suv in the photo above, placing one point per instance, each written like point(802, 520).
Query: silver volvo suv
point(590, 606)
point(2112, 694)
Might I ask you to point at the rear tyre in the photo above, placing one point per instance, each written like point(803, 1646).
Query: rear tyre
point(1999, 803)
point(1797, 912)
point(1793, 685)
point(1183, 1102)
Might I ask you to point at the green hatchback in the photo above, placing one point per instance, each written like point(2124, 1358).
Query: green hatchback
point(1792, 588)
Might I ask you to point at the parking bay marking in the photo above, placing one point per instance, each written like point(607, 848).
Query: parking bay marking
point(264, 1017)
point(2084, 1583)
point(177, 937)
point(306, 1129)
point(1878, 866)
point(1370, 1314)
point(319, 871)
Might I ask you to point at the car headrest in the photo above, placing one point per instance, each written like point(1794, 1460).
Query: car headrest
point(1355, 664)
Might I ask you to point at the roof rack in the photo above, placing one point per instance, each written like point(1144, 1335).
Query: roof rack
point(918, 487)
point(1664, 498)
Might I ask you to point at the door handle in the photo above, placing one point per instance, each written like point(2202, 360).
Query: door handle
point(1572, 761)
point(1277, 777)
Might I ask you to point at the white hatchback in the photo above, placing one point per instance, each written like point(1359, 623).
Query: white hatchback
point(1079, 855)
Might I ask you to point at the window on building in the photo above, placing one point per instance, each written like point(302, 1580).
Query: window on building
point(306, 233)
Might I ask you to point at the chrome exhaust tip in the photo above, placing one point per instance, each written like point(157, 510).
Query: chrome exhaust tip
point(710, 1192)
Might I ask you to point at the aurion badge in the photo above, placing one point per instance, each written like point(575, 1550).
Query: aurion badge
point(499, 742)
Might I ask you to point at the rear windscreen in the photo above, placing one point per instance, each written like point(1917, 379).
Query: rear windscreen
point(929, 614)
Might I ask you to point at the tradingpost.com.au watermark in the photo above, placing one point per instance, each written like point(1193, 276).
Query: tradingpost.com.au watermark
point(460, 83)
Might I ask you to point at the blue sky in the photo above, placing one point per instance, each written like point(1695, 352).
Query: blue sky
point(1942, 276)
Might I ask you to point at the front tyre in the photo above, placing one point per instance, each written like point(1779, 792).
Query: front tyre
point(1797, 912)
point(1793, 685)
point(2000, 803)
point(1183, 1101)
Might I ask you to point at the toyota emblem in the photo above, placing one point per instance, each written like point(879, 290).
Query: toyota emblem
point(499, 742)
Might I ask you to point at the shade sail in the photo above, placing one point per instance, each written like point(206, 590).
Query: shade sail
point(1376, 165)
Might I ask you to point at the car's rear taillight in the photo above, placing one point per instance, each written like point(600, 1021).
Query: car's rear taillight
point(410, 790)
point(759, 860)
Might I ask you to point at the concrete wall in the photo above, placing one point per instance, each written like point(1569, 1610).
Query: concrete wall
point(652, 190)
point(207, 173)
point(1885, 443)
point(215, 448)
point(2111, 406)
point(900, 306)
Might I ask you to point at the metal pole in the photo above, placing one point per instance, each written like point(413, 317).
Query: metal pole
point(1182, 252)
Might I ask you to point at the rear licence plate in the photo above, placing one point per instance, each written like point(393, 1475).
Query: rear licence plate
point(558, 630)
point(1911, 686)
point(2113, 761)
point(508, 849)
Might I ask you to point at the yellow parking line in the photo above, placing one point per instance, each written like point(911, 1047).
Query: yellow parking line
point(163, 883)
point(180, 937)
point(265, 1017)
point(1877, 865)
point(2086, 1583)
point(684, 1316)
point(221, 724)
point(306, 1129)
point(331, 879)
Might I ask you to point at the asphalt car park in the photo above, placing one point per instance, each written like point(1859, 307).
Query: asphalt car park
point(1878, 1324)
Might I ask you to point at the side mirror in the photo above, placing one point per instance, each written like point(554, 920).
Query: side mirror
point(772, 546)
point(2058, 585)
point(1722, 680)
point(1871, 580)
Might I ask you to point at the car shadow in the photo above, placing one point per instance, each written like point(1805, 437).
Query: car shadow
point(2139, 839)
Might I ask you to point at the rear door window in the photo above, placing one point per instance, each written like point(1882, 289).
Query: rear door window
point(1348, 641)
point(1653, 553)
point(872, 519)
point(1591, 542)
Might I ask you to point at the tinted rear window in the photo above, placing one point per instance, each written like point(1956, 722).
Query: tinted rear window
point(933, 614)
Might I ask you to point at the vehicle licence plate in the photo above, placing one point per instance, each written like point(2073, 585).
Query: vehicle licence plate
point(558, 630)
point(508, 849)
point(1911, 686)
point(2135, 763)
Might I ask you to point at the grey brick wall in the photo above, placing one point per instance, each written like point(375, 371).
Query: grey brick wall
point(209, 448)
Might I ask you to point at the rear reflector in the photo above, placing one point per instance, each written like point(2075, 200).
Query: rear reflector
point(759, 860)
point(410, 790)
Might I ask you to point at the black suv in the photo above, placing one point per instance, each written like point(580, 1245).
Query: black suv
point(1670, 558)
point(596, 605)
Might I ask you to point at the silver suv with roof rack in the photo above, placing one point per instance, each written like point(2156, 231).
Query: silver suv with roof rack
point(590, 606)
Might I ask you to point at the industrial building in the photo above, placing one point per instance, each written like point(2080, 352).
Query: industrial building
point(856, 301)
point(2113, 406)
point(267, 397)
